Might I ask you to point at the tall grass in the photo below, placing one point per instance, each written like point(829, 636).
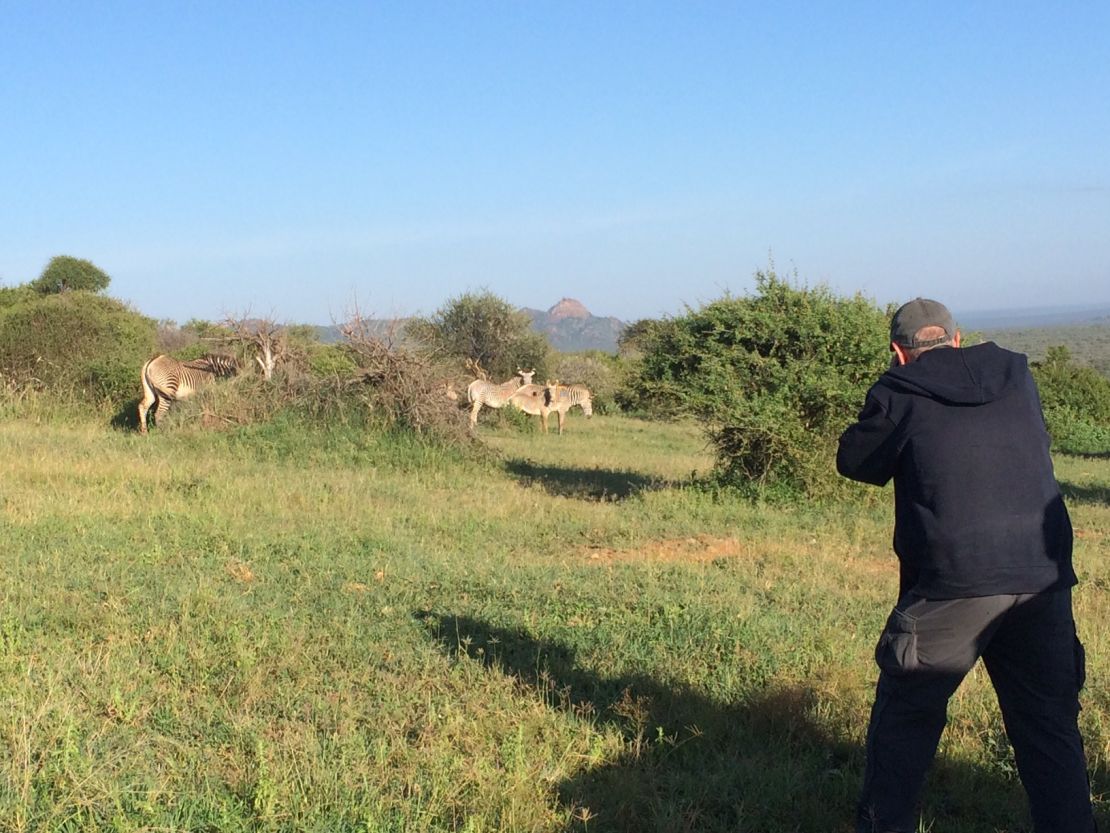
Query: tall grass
point(289, 627)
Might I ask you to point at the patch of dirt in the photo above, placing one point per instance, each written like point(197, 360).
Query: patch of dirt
point(701, 548)
point(884, 566)
point(240, 571)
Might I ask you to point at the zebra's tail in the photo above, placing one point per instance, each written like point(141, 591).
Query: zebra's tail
point(150, 397)
point(148, 389)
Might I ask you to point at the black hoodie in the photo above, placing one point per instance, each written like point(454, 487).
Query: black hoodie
point(978, 511)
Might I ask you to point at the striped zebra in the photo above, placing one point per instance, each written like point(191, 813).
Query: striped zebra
point(530, 399)
point(166, 380)
point(482, 392)
point(561, 398)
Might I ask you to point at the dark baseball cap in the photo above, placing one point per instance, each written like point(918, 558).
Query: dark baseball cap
point(919, 313)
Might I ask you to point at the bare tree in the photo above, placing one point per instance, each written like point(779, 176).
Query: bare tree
point(267, 338)
point(475, 367)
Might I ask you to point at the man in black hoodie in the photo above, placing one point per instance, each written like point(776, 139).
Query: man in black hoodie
point(984, 547)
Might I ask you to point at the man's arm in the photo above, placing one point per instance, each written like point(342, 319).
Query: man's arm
point(867, 450)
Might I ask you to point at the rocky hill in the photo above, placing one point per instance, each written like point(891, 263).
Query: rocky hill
point(570, 327)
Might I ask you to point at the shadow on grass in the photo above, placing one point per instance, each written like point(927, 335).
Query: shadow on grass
point(584, 484)
point(691, 763)
point(127, 417)
point(1085, 494)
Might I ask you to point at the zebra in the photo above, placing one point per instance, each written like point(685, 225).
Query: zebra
point(530, 399)
point(561, 398)
point(482, 392)
point(165, 380)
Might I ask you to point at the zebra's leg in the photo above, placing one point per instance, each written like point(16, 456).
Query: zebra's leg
point(160, 411)
point(477, 406)
point(145, 404)
point(562, 416)
point(149, 398)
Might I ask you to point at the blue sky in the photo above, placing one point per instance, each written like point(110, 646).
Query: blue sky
point(296, 159)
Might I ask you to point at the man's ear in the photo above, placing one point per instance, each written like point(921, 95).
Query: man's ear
point(900, 353)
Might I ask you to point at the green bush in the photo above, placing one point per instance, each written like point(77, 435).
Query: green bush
point(330, 361)
point(648, 385)
point(1076, 402)
point(1074, 433)
point(75, 343)
point(774, 378)
point(12, 295)
point(482, 327)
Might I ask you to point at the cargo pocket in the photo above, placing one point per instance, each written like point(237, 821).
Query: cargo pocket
point(1080, 663)
point(896, 652)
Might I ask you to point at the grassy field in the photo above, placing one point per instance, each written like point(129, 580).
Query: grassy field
point(308, 630)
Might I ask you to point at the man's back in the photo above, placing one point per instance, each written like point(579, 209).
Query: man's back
point(978, 511)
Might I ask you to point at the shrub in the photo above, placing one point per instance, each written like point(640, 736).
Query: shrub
point(1076, 402)
point(12, 295)
point(483, 328)
point(403, 388)
point(648, 385)
point(75, 343)
point(774, 378)
point(330, 361)
point(250, 399)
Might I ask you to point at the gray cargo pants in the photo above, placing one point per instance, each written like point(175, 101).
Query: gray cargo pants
point(1036, 664)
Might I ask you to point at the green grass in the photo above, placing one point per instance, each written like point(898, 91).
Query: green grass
point(281, 629)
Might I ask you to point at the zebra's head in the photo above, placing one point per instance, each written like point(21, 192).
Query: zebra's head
point(526, 375)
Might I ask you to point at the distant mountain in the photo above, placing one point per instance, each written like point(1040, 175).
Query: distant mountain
point(570, 327)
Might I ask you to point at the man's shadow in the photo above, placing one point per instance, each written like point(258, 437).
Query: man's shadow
point(693, 763)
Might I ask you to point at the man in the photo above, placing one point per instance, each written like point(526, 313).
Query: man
point(984, 545)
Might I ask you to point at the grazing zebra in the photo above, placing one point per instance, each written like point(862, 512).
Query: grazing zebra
point(530, 399)
point(482, 392)
point(561, 398)
point(166, 380)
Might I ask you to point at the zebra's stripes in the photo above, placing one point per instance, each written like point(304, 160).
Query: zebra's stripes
point(481, 392)
point(166, 380)
point(561, 398)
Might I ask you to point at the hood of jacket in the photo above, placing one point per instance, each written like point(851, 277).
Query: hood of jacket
point(961, 375)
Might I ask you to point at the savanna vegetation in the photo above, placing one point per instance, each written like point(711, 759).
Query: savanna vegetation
point(333, 614)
